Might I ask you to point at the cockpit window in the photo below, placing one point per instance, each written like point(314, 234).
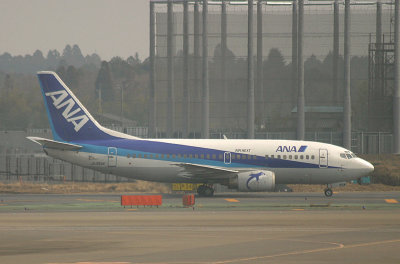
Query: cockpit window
point(348, 155)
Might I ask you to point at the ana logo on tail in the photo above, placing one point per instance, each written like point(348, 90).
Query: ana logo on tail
point(70, 115)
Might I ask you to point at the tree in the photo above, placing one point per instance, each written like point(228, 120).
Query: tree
point(93, 59)
point(104, 82)
point(77, 59)
point(53, 58)
point(8, 84)
point(67, 53)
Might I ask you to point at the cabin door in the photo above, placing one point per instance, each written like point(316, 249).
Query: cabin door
point(323, 158)
point(112, 157)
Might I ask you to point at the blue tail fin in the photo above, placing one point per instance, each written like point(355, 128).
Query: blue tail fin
point(69, 119)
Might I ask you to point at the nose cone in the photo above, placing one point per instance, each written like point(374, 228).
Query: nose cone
point(365, 167)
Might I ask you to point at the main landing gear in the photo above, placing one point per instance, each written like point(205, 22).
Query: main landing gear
point(205, 190)
point(328, 191)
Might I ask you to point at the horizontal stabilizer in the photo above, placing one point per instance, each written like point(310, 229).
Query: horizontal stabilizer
point(48, 143)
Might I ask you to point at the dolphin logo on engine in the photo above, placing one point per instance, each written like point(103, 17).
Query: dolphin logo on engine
point(255, 176)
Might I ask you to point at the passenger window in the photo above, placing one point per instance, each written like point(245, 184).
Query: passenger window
point(128, 156)
point(156, 156)
point(151, 156)
point(139, 156)
point(208, 156)
point(272, 156)
point(266, 156)
point(279, 156)
point(201, 156)
point(238, 156)
point(295, 157)
point(133, 155)
point(220, 156)
point(307, 157)
point(301, 157)
point(145, 156)
point(214, 156)
point(284, 157)
point(190, 156)
point(173, 156)
point(196, 156)
point(254, 157)
point(167, 156)
point(290, 157)
point(312, 157)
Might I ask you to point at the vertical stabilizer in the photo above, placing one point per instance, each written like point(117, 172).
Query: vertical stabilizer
point(69, 119)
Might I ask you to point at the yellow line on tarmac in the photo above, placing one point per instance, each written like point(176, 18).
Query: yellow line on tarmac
point(89, 200)
point(391, 201)
point(103, 262)
point(307, 251)
point(232, 200)
point(89, 263)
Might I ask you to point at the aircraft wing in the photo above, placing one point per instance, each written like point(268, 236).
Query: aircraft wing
point(48, 143)
point(204, 171)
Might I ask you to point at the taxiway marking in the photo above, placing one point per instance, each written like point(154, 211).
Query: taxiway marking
point(391, 201)
point(232, 200)
point(308, 251)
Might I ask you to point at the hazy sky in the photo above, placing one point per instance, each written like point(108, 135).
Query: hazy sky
point(106, 27)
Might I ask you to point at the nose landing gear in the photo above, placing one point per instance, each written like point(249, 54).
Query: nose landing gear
point(205, 190)
point(328, 192)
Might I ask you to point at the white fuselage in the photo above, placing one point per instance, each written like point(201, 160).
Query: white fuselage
point(293, 162)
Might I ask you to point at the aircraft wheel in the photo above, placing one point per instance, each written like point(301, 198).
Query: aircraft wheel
point(205, 191)
point(208, 192)
point(328, 192)
point(201, 190)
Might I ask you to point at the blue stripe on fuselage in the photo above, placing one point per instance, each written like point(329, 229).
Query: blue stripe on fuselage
point(144, 147)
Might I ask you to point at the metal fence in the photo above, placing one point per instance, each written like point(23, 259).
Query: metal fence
point(226, 52)
point(40, 168)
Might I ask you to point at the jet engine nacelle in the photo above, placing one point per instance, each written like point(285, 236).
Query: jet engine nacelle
point(255, 181)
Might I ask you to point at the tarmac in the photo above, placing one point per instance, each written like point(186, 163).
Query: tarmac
point(359, 227)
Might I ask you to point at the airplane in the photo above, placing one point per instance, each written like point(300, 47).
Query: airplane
point(247, 165)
